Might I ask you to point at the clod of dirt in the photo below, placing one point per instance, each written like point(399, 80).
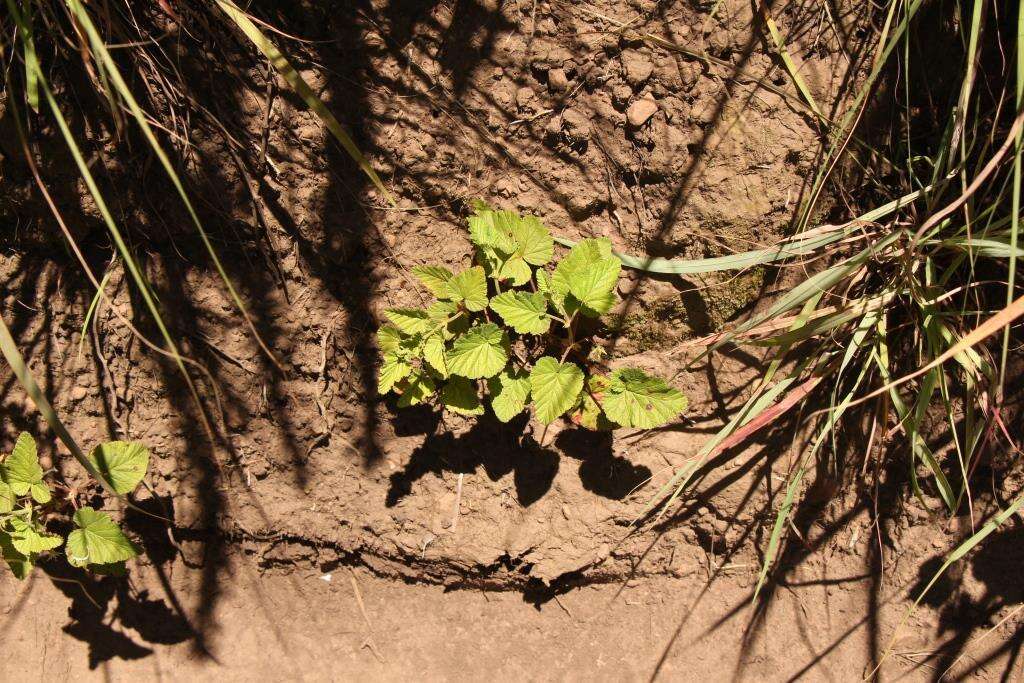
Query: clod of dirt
point(637, 68)
point(620, 96)
point(640, 112)
point(557, 80)
point(569, 132)
point(527, 100)
point(576, 126)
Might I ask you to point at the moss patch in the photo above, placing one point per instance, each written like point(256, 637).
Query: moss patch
point(726, 299)
point(664, 321)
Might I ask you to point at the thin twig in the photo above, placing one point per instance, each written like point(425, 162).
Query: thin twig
point(362, 609)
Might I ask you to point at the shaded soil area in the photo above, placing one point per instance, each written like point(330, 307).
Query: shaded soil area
point(550, 108)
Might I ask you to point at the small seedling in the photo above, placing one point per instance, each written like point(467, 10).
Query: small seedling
point(519, 332)
point(28, 503)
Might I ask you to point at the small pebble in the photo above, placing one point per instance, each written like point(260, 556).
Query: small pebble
point(640, 112)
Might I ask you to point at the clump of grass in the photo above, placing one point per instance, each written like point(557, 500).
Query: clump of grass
point(139, 94)
point(895, 310)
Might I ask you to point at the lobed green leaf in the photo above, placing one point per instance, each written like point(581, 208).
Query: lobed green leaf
point(409, 320)
point(516, 271)
point(588, 412)
point(635, 399)
point(97, 540)
point(28, 538)
point(509, 394)
point(20, 563)
point(393, 370)
point(533, 240)
point(434, 278)
point(434, 354)
point(7, 497)
point(21, 470)
point(470, 288)
point(388, 339)
point(480, 352)
point(415, 389)
point(122, 463)
point(585, 279)
point(526, 313)
point(460, 395)
point(555, 387)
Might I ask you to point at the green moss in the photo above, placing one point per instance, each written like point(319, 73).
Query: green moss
point(726, 299)
point(664, 321)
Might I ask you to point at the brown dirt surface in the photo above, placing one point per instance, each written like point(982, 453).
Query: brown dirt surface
point(476, 551)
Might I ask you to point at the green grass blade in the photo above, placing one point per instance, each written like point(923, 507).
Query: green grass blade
point(29, 42)
point(1011, 282)
point(17, 362)
point(800, 245)
point(834, 413)
point(100, 50)
point(958, 553)
point(298, 83)
point(780, 522)
point(843, 131)
point(780, 47)
point(92, 309)
point(133, 268)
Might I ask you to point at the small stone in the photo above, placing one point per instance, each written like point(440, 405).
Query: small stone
point(557, 80)
point(703, 115)
point(559, 57)
point(78, 393)
point(582, 205)
point(497, 73)
point(640, 112)
point(688, 75)
point(390, 239)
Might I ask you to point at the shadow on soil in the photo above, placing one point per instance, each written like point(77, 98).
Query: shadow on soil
point(502, 448)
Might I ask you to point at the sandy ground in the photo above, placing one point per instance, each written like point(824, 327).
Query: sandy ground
point(348, 625)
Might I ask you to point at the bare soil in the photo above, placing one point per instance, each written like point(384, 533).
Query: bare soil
point(459, 549)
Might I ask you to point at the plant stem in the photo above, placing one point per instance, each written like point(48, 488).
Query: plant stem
point(572, 336)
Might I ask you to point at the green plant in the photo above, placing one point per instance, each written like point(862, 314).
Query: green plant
point(889, 324)
point(29, 508)
point(115, 47)
point(520, 332)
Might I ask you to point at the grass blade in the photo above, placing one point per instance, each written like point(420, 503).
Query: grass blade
point(298, 83)
point(959, 552)
point(100, 50)
point(800, 245)
point(780, 47)
point(20, 368)
point(1015, 200)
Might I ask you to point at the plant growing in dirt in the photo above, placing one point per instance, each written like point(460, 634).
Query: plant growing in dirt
point(520, 332)
point(31, 504)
